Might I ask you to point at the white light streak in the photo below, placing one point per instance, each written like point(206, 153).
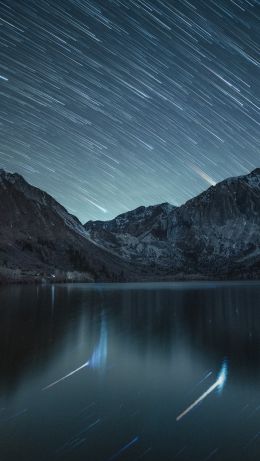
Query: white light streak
point(97, 359)
point(66, 376)
point(203, 175)
point(219, 384)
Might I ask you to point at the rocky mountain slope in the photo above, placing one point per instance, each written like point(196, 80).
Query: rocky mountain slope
point(139, 235)
point(216, 234)
point(39, 239)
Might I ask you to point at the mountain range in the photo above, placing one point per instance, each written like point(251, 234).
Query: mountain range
point(215, 235)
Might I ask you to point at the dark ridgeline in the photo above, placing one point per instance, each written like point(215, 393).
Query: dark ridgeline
point(39, 239)
point(214, 235)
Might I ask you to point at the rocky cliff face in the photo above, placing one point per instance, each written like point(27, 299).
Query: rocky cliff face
point(39, 237)
point(216, 233)
point(139, 236)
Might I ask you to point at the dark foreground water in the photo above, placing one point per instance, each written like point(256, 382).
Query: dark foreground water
point(145, 353)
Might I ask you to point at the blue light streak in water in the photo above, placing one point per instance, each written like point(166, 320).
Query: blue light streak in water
point(99, 355)
point(222, 377)
point(125, 447)
point(217, 385)
point(97, 359)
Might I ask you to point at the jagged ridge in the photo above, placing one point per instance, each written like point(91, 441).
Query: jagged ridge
point(215, 233)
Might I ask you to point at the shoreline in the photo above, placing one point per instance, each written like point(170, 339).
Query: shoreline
point(29, 278)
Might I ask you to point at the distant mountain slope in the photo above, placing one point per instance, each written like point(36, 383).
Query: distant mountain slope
point(139, 235)
point(38, 236)
point(214, 234)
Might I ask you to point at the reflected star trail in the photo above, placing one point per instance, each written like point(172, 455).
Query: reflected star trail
point(97, 359)
point(112, 104)
point(218, 384)
point(73, 372)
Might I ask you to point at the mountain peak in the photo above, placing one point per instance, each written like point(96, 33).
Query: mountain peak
point(253, 178)
point(255, 172)
point(10, 177)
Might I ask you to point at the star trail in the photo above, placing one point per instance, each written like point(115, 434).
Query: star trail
point(112, 104)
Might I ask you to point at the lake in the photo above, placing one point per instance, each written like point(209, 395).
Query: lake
point(153, 372)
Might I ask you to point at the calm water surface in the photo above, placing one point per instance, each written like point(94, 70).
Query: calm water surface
point(143, 353)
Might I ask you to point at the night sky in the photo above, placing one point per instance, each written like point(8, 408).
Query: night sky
point(112, 104)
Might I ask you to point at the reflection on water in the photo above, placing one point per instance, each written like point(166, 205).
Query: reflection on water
point(217, 385)
point(97, 360)
point(130, 372)
point(99, 356)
